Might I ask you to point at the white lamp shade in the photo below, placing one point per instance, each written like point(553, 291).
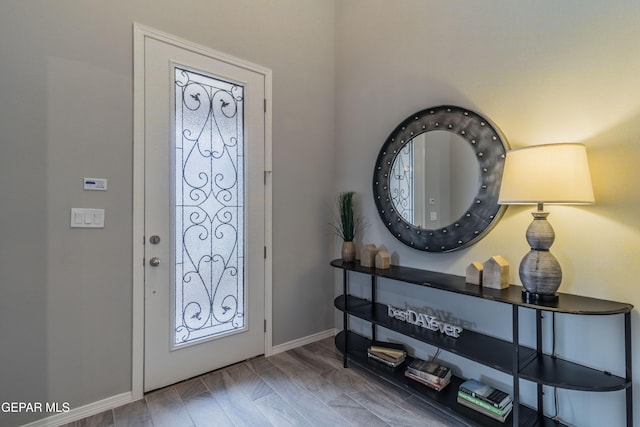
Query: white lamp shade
point(550, 173)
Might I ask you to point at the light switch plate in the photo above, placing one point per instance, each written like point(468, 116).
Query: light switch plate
point(87, 218)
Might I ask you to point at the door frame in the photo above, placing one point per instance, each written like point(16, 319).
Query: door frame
point(140, 33)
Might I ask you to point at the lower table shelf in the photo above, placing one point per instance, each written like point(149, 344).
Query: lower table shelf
point(444, 400)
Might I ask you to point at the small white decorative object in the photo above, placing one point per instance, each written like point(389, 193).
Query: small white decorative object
point(368, 256)
point(474, 273)
point(495, 273)
point(383, 260)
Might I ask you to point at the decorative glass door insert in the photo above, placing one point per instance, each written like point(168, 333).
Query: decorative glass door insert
point(209, 291)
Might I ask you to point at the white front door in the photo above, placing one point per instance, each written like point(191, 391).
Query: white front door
point(204, 212)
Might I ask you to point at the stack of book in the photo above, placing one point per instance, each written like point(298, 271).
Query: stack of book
point(485, 399)
point(389, 354)
point(431, 374)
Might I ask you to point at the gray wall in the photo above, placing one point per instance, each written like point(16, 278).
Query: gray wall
point(66, 81)
point(544, 71)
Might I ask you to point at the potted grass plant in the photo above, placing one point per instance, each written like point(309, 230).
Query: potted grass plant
point(347, 224)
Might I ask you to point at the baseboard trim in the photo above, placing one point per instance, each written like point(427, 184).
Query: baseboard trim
point(302, 341)
point(83, 411)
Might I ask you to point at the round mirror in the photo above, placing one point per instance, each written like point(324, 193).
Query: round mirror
point(437, 179)
point(434, 179)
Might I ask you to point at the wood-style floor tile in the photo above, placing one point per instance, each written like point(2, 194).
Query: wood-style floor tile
point(135, 414)
point(306, 386)
point(232, 397)
point(302, 400)
point(167, 410)
point(279, 412)
point(310, 379)
point(355, 413)
point(104, 419)
point(202, 406)
point(437, 418)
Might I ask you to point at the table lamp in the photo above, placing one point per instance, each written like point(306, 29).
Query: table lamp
point(538, 175)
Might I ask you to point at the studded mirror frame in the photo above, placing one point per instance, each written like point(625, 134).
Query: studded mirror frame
point(490, 149)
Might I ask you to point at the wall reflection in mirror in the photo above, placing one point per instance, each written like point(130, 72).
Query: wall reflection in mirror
point(434, 179)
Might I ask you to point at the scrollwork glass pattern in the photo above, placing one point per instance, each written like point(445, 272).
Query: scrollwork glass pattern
point(209, 207)
point(401, 183)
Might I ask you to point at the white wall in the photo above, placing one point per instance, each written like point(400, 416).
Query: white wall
point(66, 81)
point(543, 71)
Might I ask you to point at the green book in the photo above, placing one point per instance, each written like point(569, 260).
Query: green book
point(497, 398)
point(500, 412)
point(481, 410)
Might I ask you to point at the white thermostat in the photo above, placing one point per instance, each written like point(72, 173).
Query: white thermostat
point(95, 184)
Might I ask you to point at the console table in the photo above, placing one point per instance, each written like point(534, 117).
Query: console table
point(510, 357)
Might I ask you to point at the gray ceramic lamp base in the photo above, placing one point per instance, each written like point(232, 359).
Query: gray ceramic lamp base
point(540, 271)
